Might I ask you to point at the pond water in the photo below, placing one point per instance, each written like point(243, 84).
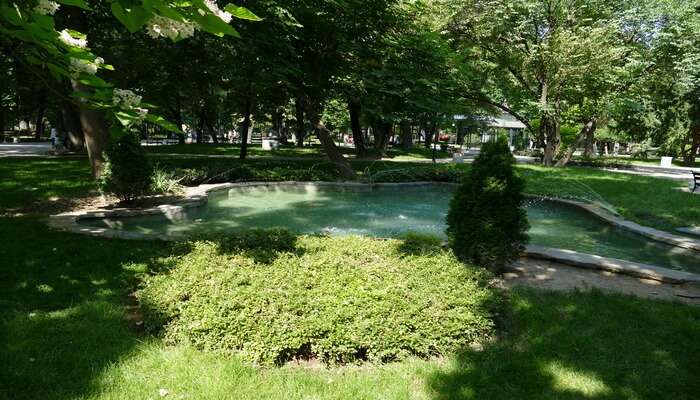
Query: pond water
point(391, 212)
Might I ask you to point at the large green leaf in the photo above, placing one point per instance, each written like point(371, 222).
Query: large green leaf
point(216, 26)
point(241, 12)
point(157, 119)
point(133, 19)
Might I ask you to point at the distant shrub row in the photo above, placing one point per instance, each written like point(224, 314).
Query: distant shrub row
point(273, 297)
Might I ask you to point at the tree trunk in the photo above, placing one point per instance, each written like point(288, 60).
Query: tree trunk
point(95, 130)
point(39, 125)
point(382, 135)
point(331, 150)
point(588, 150)
point(75, 140)
point(200, 127)
point(689, 157)
point(552, 130)
point(177, 116)
point(2, 119)
point(247, 109)
point(277, 122)
point(357, 136)
point(586, 132)
point(299, 108)
point(210, 129)
point(406, 135)
point(429, 133)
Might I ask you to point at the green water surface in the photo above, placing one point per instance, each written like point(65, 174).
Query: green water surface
point(391, 212)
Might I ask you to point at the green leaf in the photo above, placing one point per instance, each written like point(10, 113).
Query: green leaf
point(157, 119)
point(125, 118)
point(216, 26)
point(241, 12)
point(165, 10)
point(132, 19)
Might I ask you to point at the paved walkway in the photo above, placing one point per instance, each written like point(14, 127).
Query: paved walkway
point(555, 276)
point(24, 149)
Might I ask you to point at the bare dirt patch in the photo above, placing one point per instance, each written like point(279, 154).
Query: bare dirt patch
point(555, 276)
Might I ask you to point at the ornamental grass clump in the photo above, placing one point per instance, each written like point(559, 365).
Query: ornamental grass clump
point(486, 222)
point(335, 299)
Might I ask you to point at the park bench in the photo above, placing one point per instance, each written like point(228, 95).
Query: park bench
point(696, 180)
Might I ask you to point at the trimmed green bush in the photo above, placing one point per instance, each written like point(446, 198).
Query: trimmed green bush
point(337, 299)
point(486, 222)
point(127, 172)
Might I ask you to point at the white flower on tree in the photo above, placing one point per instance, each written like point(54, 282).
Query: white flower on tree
point(78, 66)
point(224, 15)
point(160, 26)
point(125, 98)
point(69, 40)
point(46, 7)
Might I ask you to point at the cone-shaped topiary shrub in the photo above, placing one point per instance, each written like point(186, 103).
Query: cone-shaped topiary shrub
point(486, 223)
point(127, 173)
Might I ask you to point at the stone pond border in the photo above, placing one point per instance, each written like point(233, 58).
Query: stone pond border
point(198, 196)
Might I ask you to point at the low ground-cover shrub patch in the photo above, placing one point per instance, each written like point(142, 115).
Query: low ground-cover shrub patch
point(338, 299)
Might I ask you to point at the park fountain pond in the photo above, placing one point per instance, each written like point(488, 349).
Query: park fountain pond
point(391, 211)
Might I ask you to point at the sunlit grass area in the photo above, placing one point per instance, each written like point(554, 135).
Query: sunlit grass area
point(655, 202)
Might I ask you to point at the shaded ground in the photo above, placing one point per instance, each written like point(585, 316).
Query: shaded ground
point(550, 275)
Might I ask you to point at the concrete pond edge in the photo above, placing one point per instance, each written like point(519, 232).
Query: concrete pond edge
point(198, 197)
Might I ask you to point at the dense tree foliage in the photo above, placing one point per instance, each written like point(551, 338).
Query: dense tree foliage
point(370, 73)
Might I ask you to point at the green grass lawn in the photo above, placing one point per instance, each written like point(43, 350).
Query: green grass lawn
point(651, 161)
point(313, 151)
point(64, 335)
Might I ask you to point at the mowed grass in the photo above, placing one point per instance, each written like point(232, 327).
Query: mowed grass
point(67, 332)
point(24, 181)
point(656, 202)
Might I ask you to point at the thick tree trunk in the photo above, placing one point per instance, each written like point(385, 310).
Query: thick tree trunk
point(95, 130)
point(92, 122)
point(75, 140)
point(430, 129)
point(210, 129)
point(590, 139)
point(2, 119)
point(331, 150)
point(689, 157)
point(277, 122)
point(382, 135)
point(200, 127)
point(357, 136)
point(39, 125)
point(553, 134)
point(406, 135)
point(299, 110)
point(247, 109)
point(586, 132)
point(177, 116)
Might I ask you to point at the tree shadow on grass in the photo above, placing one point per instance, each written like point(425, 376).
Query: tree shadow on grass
point(62, 299)
point(582, 346)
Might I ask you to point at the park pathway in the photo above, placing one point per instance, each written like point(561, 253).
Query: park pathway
point(24, 149)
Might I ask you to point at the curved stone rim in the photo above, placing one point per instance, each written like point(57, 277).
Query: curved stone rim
point(198, 196)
